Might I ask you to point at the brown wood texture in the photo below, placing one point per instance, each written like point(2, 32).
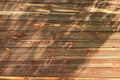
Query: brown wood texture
point(60, 39)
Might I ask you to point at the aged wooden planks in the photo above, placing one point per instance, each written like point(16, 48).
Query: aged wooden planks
point(62, 38)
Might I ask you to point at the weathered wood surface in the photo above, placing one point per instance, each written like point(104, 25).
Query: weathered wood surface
point(60, 39)
point(55, 25)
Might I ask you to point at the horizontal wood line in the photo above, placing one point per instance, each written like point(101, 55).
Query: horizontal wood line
point(33, 77)
point(60, 66)
point(10, 77)
point(42, 2)
point(62, 47)
point(69, 59)
point(48, 3)
point(39, 12)
point(67, 40)
point(37, 2)
point(89, 49)
point(97, 78)
point(73, 40)
point(40, 60)
point(59, 40)
point(60, 21)
point(53, 11)
point(72, 13)
point(54, 21)
point(93, 48)
point(60, 30)
point(75, 58)
point(57, 78)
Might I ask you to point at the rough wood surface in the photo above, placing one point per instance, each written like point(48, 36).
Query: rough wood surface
point(60, 39)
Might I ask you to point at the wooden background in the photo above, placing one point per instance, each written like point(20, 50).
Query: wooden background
point(64, 39)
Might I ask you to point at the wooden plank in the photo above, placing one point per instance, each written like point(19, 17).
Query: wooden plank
point(48, 35)
point(60, 44)
point(44, 15)
point(101, 52)
point(98, 72)
point(57, 58)
point(77, 51)
point(59, 62)
point(62, 26)
point(12, 22)
point(51, 1)
point(59, 1)
point(44, 54)
point(55, 78)
point(8, 6)
point(61, 53)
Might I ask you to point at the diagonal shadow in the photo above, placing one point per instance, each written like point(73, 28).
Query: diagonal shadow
point(58, 58)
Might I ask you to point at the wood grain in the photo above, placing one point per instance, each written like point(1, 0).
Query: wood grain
point(60, 39)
